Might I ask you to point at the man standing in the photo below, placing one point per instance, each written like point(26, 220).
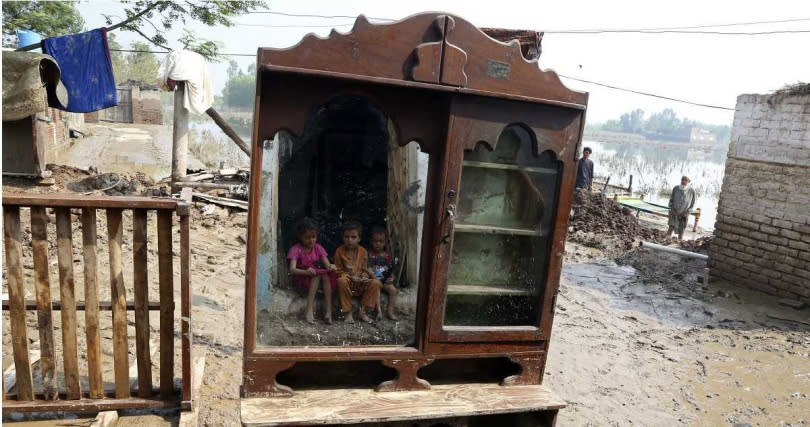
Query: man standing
point(681, 202)
point(585, 170)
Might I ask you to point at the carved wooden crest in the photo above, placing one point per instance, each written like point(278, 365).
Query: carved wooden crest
point(431, 48)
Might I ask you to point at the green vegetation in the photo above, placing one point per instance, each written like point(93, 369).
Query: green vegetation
point(665, 125)
point(47, 18)
point(140, 66)
point(240, 89)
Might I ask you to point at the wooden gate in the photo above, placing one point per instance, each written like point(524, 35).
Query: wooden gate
point(121, 113)
point(48, 395)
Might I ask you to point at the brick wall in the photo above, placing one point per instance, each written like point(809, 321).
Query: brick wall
point(762, 234)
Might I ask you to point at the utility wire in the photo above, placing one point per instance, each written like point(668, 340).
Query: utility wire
point(585, 31)
point(647, 93)
point(561, 75)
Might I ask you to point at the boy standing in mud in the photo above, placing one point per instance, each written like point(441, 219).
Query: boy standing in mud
point(681, 202)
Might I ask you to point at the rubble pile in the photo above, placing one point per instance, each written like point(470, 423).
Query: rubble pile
point(698, 245)
point(594, 213)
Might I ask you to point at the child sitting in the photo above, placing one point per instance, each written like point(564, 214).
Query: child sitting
point(381, 264)
point(354, 276)
point(309, 267)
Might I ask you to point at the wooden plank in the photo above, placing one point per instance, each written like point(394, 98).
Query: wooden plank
point(39, 246)
point(81, 305)
point(504, 166)
point(87, 405)
point(190, 410)
point(141, 290)
point(16, 293)
point(491, 229)
point(105, 419)
point(349, 406)
point(115, 231)
point(166, 281)
point(488, 289)
point(91, 306)
point(10, 374)
point(185, 308)
point(67, 292)
point(78, 201)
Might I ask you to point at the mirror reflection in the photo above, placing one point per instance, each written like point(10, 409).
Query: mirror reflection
point(339, 250)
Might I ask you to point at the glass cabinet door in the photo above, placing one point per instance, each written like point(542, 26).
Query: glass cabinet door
point(502, 227)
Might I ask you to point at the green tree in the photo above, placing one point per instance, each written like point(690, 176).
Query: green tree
point(233, 69)
point(119, 62)
point(140, 15)
point(48, 18)
point(141, 66)
point(240, 91)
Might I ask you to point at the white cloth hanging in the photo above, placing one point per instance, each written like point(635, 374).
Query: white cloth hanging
point(190, 67)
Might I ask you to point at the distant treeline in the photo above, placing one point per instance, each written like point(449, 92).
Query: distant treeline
point(662, 125)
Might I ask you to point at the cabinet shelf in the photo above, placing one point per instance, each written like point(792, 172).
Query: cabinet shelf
point(491, 229)
point(491, 289)
point(504, 166)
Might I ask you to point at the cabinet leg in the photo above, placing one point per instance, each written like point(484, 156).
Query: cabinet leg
point(531, 371)
point(406, 379)
point(264, 384)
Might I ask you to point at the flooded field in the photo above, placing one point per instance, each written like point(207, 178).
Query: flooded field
point(656, 168)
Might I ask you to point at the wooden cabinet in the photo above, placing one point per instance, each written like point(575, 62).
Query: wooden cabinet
point(497, 140)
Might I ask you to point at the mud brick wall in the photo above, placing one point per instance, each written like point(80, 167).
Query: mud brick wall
point(762, 234)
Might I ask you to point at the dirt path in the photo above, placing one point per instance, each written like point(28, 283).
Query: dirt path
point(644, 343)
point(125, 148)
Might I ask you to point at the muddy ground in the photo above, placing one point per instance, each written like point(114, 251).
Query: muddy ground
point(638, 338)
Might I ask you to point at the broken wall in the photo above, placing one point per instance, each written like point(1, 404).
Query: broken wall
point(762, 234)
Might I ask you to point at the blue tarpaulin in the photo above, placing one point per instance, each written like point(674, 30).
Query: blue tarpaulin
point(26, 38)
point(87, 71)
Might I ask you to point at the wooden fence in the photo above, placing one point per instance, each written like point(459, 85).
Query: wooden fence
point(49, 396)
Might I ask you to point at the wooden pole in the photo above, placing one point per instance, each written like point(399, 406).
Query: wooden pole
point(228, 130)
point(179, 135)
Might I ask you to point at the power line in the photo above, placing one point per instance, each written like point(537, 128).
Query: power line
point(691, 27)
point(656, 30)
point(300, 15)
point(721, 33)
point(647, 93)
point(253, 55)
point(561, 75)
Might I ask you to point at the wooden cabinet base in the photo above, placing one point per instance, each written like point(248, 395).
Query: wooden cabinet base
point(360, 406)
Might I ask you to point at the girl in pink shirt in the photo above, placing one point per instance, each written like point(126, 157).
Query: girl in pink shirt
point(310, 267)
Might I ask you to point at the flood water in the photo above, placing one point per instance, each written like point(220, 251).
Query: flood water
point(656, 168)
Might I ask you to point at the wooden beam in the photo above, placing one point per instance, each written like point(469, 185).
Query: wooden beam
point(166, 290)
point(141, 292)
point(82, 306)
point(87, 405)
point(67, 293)
point(16, 292)
point(39, 246)
point(115, 231)
point(91, 313)
point(228, 130)
point(77, 201)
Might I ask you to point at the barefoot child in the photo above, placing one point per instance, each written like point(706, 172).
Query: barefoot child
point(354, 276)
point(305, 258)
point(381, 264)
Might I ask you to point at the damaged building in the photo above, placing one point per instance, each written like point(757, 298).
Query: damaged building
point(763, 222)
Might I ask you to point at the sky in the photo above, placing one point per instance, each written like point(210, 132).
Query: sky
point(707, 69)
